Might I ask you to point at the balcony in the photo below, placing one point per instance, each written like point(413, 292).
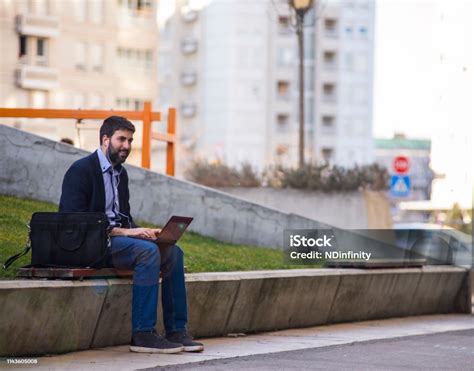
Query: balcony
point(37, 25)
point(189, 78)
point(189, 45)
point(141, 18)
point(36, 77)
point(188, 110)
point(189, 16)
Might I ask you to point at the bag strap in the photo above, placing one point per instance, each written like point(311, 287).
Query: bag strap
point(15, 257)
point(25, 251)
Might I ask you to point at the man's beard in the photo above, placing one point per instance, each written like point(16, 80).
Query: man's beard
point(115, 155)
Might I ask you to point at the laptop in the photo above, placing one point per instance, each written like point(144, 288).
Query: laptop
point(173, 230)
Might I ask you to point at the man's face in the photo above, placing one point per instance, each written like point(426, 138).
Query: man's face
point(118, 147)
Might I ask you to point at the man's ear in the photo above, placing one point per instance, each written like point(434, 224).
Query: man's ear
point(105, 140)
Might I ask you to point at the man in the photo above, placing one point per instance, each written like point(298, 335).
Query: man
point(98, 182)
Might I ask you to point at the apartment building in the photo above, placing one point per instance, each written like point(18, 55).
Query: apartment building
point(232, 66)
point(81, 54)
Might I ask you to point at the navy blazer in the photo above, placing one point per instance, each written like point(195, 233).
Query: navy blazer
point(83, 189)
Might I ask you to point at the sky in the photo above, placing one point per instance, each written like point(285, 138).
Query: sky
point(423, 63)
point(423, 84)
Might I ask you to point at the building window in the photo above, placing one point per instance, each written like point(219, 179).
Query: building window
point(283, 90)
point(328, 124)
point(129, 104)
point(23, 46)
point(137, 6)
point(329, 58)
point(145, 5)
point(281, 150)
point(330, 27)
point(148, 59)
point(138, 104)
point(97, 57)
point(81, 56)
point(40, 47)
point(328, 121)
point(283, 121)
point(136, 59)
point(284, 25)
point(96, 11)
point(327, 154)
point(80, 10)
point(329, 92)
point(33, 50)
point(41, 52)
point(363, 31)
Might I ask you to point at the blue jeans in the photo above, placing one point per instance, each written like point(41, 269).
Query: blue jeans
point(147, 259)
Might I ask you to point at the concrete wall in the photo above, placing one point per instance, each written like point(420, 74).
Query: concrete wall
point(39, 317)
point(34, 167)
point(351, 210)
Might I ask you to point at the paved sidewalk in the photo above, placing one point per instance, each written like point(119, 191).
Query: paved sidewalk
point(119, 358)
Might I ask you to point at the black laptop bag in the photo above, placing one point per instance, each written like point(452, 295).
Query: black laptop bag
point(67, 240)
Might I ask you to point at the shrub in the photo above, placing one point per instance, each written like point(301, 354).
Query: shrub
point(336, 178)
point(314, 177)
point(221, 175)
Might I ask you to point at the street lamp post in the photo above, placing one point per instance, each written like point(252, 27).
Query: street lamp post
point(301, 7)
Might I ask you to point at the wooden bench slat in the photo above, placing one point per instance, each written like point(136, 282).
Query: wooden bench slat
point(72, 273)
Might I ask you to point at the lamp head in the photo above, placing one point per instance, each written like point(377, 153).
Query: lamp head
point(301, 6)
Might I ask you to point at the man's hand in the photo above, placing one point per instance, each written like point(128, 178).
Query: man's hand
point(142, 233)
point(147, 233)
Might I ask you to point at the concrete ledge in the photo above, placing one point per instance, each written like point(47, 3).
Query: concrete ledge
point(114, 321)
point(40, 317)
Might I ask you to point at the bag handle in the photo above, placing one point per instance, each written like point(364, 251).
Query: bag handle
point(25, 251)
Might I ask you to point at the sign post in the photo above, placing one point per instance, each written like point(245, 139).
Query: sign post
point(400, 184)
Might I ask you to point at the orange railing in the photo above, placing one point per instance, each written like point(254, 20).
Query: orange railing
point(146, 116)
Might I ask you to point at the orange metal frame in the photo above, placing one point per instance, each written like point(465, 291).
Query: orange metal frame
point(146, 116)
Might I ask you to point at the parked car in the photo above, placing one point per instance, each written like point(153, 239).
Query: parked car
point(435, 243)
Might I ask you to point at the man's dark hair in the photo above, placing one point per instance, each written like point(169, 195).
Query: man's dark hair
point(112, 124)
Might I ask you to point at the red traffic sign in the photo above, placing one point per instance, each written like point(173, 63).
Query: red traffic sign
point(401, 164)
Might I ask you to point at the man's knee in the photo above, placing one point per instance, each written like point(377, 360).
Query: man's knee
point(147, 251)
point(171, 256)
